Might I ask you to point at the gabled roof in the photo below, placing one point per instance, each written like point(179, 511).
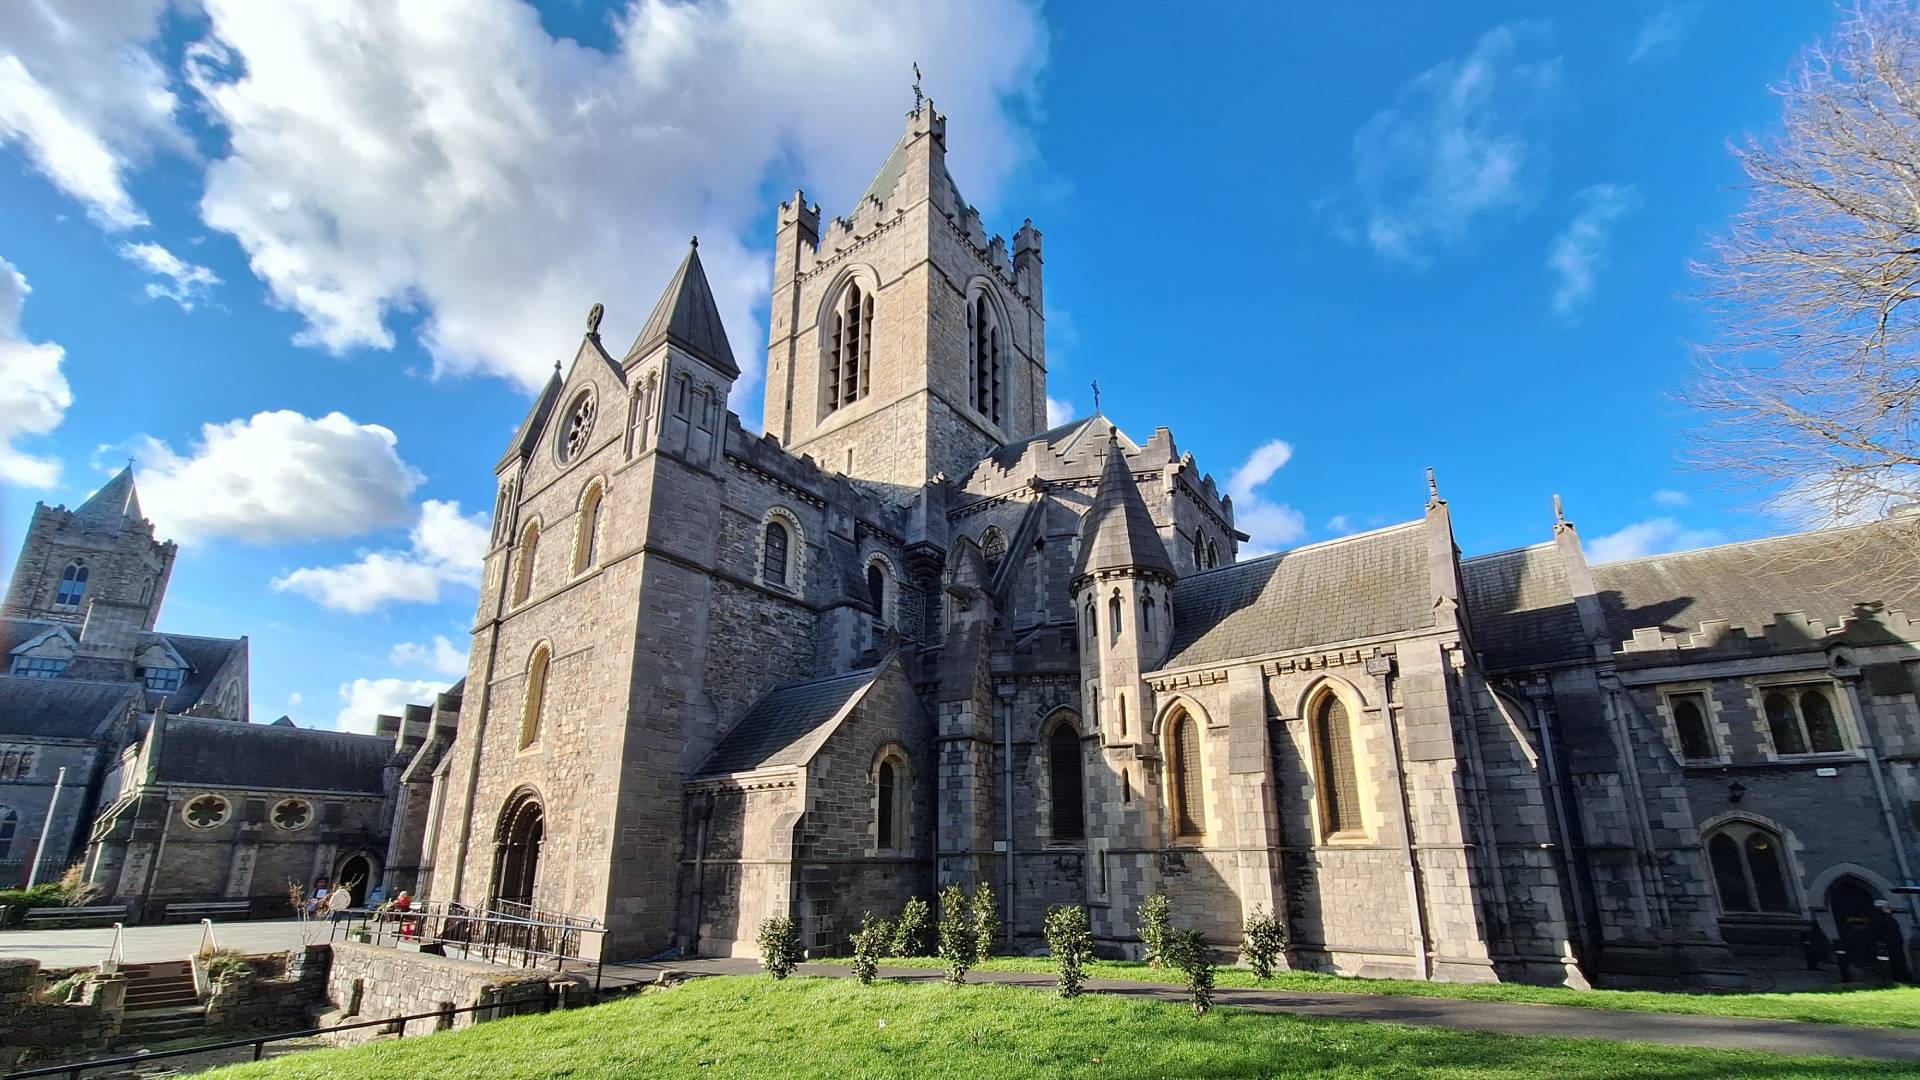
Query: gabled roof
point(687, 316)
point(1361, 586)
point(787, 725)
point(1521, 609)
point(894, 168)
point(60, 708)
point(1118, 531)
point(1821, 574)
point(536, 421)
point(113, 503)
point(205, 657)
point(228, 753)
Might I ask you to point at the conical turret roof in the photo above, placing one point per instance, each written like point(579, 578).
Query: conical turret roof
point(113, 502)
point(1118, 532)
point(687, 316)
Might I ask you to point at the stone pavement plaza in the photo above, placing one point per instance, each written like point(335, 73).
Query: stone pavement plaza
point(67, 948)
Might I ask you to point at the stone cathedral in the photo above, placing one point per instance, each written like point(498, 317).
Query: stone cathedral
point(911, 636)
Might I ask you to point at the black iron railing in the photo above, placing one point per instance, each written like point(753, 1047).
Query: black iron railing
point(488, 936)
point(258, 1043)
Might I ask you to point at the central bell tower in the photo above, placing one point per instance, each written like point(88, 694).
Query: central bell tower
point(904, 342)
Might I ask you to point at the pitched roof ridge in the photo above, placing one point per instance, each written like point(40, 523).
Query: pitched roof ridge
point(1507, 551)
point(241, 725)
point(822, 679)
point(687, 315)
point(1315, 546)
point(1753, 541)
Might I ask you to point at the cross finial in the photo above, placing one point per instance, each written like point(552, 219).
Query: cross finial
point(129, 461)
point(918, 97)
point(695, 243)
point(1433, 486)
point(1096, 397)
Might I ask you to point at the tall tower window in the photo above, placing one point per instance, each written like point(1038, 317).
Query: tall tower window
point(849, 348)
point(1183, 760)
point(1065, 776)
point(983, 347)
point(773, 563)
point(523, 571)
point(586, 543)
point(1339, 787)
point(73, 585)
point(536, 702)
point(890, 802)
point(877, 590)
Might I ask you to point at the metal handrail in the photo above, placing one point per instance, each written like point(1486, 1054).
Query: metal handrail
point(209, 944)
point(483, 937)
point(259, 1042)
point(115, 951)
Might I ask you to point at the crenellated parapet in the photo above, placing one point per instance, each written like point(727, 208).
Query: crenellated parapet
point(1787, 632)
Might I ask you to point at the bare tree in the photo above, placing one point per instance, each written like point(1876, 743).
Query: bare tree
point(1812, 387)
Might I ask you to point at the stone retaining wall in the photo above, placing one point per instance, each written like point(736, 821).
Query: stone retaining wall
point(368, 982)
point(34, 1031)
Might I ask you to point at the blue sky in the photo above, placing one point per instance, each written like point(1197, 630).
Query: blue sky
point(304, 266)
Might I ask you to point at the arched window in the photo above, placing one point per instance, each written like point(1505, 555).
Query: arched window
point(1802, 720)
point(1199, 551)
point(983, 345)
point(536, 702)
point(1213, 555)
point(890, 803)
point(1146, 614)
point(1749, 870)
point(993, 547)
point(1122, 696)
point(1093, 629)
point(1690, 723)
point(643, 410)
point(773, 554)
point(849, 348)
point(586, 543)
point(877, 590)
point(1337, 784)
point(1065, 775)
point(9, 824)
point(683, 402)
point(1113, 616)
point(1183, 765)
point(503, 514)
point(73, 585)
point(523, 570)
point(1126, 787)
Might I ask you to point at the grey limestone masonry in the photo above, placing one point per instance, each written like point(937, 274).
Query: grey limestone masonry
point(816, 672)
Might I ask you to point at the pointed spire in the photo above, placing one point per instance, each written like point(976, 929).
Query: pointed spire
point(688, 317)
point(114, 501)
point(1118, 532)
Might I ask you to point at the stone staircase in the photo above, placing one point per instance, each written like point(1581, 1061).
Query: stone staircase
point(161, 1002)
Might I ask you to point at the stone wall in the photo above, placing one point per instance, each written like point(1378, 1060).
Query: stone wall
point(370, 982)
point(35, 1030)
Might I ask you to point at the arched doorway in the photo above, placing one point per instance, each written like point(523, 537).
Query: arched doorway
point(523, 826)
point(1851, 902)
point(356, 877)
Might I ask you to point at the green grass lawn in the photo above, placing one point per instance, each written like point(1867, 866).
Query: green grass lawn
point(755, 1027)
point(1898, 1007)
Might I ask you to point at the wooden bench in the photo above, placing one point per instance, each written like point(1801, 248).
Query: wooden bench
point(207, 909)
point(101, 913)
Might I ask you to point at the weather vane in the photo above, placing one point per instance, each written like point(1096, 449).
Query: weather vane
point(1096, 397)
point(918, 97)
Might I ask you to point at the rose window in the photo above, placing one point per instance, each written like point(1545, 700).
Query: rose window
point(293, 814)
point(207, 811)
point(573, 437)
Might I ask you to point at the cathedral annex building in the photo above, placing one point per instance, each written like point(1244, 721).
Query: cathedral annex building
point(910, 636)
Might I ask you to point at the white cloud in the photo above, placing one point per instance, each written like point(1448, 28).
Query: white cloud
point(85, 99)
point(294, 699)
point(442, 656)
point(1670, 497)
point(34, 395)
point(1059, 411)
point(1455, 148)
point(185, 284)
point(366, 699)
point(1340, 523)
point(1272, 525)
point(1579, 252)
point(453, 162)
point(276, 477)
point(1655, 536)
point(446, 549)
point(1660, 35)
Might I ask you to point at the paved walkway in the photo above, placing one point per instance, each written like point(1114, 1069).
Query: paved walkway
point(1504, 1018)
point(145, 944)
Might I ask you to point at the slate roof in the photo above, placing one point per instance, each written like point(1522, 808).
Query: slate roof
point(205, 656)
point(1823, 574)
point(687, 316)
point(228, 753)
point(17, 632)
point(895, 167)
point(536, 420)
point(60, 708)
point(1359, 586)
point(114, 502)
point(784, 727)
point(1521, 609)
point(1118, 531)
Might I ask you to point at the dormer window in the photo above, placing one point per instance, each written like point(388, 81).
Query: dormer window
point(39, 667)
point(849, 347)
point(73, 585)
point(164, 680)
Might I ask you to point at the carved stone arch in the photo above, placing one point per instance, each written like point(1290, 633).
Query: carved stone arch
point(519, 834)
point(1793, 867)
point(868, 280)
point(538, 676)
point(1336, 759)
point(589, 513)
point(1817, 888)
point(1175, 703)
point(526, 559)
point(1355, 697)
point(890, 779)
point(1062, 814)
point(887, 610)
point(796, 568)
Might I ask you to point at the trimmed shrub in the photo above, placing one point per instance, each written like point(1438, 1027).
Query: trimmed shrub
point(986, 922)
point(869, 944)
point(1070, 943)
point(1188, 951)
point(1264, 939)
point(913, 930)
point(1156, 922)
point(779, 947)
point(958, 948)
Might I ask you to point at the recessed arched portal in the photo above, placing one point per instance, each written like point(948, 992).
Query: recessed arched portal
point(517, 840)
